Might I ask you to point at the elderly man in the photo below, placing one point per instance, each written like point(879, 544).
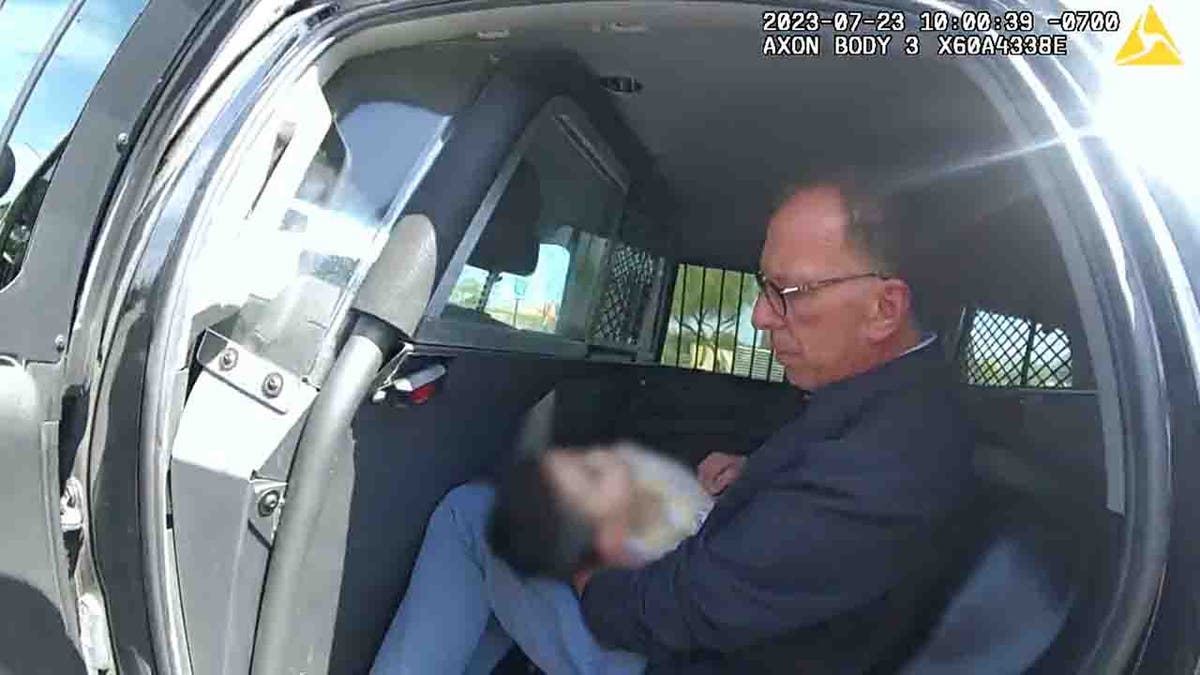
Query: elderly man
point(802, 564)
point(812, 559)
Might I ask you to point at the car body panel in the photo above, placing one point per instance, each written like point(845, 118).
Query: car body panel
point(101, 353)
point(51, 357)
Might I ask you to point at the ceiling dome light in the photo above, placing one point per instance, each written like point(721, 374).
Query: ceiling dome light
point(621, 84)
point(619, 27)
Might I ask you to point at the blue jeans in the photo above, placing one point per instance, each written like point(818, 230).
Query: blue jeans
point(465, 607)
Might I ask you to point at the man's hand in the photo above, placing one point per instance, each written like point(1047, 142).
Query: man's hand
point(718, 471)
point(581, 578)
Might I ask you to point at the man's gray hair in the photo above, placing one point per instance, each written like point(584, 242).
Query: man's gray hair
point(879, 225)
point(875, 222)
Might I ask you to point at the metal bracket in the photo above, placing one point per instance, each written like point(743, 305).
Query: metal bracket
point(254, 376)
point(266, 506)
point(387, 375)
point(241, 412)
point(410, 382)
point(268, 495)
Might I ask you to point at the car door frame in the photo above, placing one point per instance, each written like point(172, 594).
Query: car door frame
point(85, 239)
point(109, 157)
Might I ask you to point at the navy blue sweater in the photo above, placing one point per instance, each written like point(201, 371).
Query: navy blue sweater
point(809, 563)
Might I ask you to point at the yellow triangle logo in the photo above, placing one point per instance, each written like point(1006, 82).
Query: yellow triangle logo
point(1149, 43)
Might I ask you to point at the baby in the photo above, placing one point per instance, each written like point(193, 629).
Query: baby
point(614, 505)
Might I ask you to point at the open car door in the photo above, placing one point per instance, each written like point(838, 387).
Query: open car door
point(97, 87)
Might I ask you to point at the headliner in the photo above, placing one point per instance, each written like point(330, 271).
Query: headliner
point(730, 130)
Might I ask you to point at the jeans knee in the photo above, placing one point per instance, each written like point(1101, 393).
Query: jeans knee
point(465, 506)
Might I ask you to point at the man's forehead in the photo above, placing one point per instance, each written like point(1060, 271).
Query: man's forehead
point(805, 231)
point(813, 211)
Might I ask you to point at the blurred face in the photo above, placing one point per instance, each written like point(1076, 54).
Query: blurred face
point(836, 331)
point(596, 483)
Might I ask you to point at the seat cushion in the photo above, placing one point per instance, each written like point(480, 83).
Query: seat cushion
point(1012, 603)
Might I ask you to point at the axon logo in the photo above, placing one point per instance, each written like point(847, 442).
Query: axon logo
point(1149, 43)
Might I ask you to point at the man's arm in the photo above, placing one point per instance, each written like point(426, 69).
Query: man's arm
point(755, 579)
point(815, 543)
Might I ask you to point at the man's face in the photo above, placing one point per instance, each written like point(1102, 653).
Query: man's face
point(824, 336)
point(596, 483)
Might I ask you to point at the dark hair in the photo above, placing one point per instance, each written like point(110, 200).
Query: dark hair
point(532, 530)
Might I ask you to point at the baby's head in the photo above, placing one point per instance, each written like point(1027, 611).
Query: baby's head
point(563, 510)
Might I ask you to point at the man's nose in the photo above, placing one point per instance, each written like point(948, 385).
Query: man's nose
point(764, 317)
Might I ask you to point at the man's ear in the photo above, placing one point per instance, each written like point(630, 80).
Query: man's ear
point(893, 302)
point(610, 544)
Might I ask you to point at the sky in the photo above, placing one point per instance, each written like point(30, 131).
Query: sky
point(25, 25)
point(546, 284)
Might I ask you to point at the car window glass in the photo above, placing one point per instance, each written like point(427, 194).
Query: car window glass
point(709, 326)
point(302, 214)
point(567, 229)
point(54, 103)
point(541, 292)
point(1001, 350)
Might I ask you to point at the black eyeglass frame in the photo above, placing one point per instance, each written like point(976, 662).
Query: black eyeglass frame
point(767, 287)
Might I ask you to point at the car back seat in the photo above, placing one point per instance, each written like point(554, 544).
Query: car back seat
point(1013, 595)
point(1041, 527)
point(1014, 584)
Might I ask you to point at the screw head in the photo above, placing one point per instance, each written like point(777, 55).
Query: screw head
point(228, 359)
point(122, 140)
point(60, 342)
point(268, 502)
point(272, 385)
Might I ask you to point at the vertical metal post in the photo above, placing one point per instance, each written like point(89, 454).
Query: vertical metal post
point(753, 351)
point(966, 324)
point(681, 279)
point(771, 363)
point(1028, 353)
point(717, 330)
point(700, 318)
point(737, 320)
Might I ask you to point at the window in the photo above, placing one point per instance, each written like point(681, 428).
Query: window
point(1008, 351)
point(501, 296)
point(547, 248)
point(709, 326)
point(300, 215)
point(17, 217)
point(27, 27)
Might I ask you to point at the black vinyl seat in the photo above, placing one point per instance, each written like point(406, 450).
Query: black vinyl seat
point(1013, 597)
point(1016, 573)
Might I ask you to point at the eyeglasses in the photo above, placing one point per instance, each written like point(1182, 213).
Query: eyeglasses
point(777, 296)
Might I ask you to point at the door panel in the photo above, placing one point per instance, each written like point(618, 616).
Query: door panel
point(32, 586)
point(49, 355)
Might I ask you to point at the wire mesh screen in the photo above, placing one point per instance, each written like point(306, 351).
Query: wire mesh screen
point(995, 351)
point(631, 278)
point(1049, 360)
point(1010, 351)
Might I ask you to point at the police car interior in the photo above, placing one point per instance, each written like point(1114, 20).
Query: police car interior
point(377, 251)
